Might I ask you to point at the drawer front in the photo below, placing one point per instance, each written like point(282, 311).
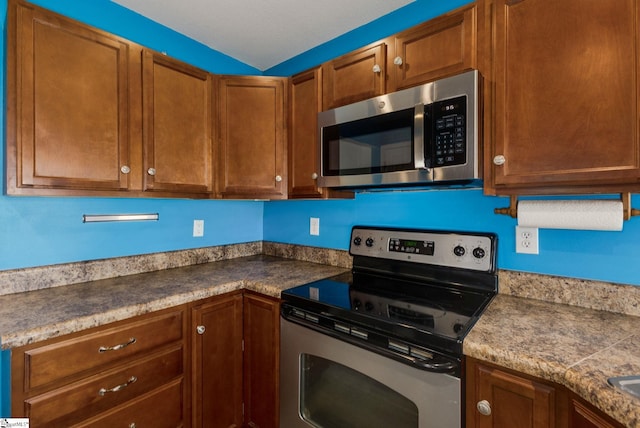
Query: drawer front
point(100, 393)
point(46, 364)
point(161, 408)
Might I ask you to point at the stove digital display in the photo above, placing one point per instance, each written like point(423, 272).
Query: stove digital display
point(426, 248)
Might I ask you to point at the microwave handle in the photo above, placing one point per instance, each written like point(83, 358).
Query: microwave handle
point(418, 137)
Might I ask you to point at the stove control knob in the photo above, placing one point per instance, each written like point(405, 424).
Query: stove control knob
point(369, 242)
point(479, 253)
point(368, 306)
point(457, 327)
point(357, 241)
point(357, 304)
point(459, 250)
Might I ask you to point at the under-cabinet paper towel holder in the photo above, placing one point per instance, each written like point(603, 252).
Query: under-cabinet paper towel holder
point(512, 209)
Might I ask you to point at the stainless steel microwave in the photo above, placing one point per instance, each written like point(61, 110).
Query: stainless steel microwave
point(418, 136)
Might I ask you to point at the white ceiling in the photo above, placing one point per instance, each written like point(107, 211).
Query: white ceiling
point(262, 33)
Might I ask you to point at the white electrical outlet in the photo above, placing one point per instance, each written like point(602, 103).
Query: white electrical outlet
point(198, 228)
point(314, 226)
point(527, 240)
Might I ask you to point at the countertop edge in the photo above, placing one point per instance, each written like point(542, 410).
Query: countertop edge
point(17, 339)
point(586, 376)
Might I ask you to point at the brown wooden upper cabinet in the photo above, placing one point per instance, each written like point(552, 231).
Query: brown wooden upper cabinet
point(68, 119)
point(305, 95)
point(78, 101)
point(438, 48)
point(252, 137)
point(178, 126)
point(561, 96)
point(355, 76)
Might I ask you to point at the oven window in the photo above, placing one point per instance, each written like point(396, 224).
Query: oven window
point(336, 396)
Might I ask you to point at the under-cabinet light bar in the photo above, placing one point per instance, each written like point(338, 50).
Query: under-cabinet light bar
point(95, 218)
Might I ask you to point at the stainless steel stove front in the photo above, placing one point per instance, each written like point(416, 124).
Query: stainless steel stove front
point(328, 383)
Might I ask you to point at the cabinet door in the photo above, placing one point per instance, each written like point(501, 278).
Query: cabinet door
point(67, 104)
point(252, 137)
point(177, 122)
point(261, 360)
point(306, 102)
point(354, 77)
point(562, 95)
point(217, 362)
point(583, 415)
point(438, 48)
point(514, 401)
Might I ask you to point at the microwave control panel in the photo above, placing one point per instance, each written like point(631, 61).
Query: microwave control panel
point(449, 132)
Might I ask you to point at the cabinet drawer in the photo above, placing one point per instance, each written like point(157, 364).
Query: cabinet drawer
point(102, 392)
point(46, 364)
point(161, 408)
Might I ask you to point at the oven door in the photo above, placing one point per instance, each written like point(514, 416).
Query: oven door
point(329, 383)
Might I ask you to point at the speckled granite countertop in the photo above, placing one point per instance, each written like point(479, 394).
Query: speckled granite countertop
point(572, 342)
point(42, 314)
point(572, 346)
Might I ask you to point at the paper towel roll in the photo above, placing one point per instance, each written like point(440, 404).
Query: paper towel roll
point(571, 214)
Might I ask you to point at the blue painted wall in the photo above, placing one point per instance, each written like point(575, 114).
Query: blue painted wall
point(606, 256)
point(41, 231)
point(5, 383)
point(597, 255)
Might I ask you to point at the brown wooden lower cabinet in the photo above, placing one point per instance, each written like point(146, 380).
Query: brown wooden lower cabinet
point(497, 397)
point(261, 360)
point(216, 355)
point(211, 363)
point(131, 371)
point(235, 344)
point(583, 415)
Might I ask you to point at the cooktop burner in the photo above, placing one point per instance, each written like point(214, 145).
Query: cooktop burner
point(412, 287)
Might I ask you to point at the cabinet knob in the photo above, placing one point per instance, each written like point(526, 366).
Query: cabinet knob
point(125, 169)
point(377, 69)
point(314, 176)
point(484, 407)
point(499, 160)
point(201, 329)
point(278, 178)
point(151, 171)
point(132, 425)
point(397, 60)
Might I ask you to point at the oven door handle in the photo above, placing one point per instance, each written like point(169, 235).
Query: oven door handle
point(436, 366)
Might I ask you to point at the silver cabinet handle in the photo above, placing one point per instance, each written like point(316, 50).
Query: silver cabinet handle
point(201, 329)
point(484, 407)
point(278, 178)
point(117, 388)
point(125, 169)
point(132, 425)
point(314, 176)
point(117, 347)
point(377, 69)
point(397, 60)
point(499, 160)
point(151, 171)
